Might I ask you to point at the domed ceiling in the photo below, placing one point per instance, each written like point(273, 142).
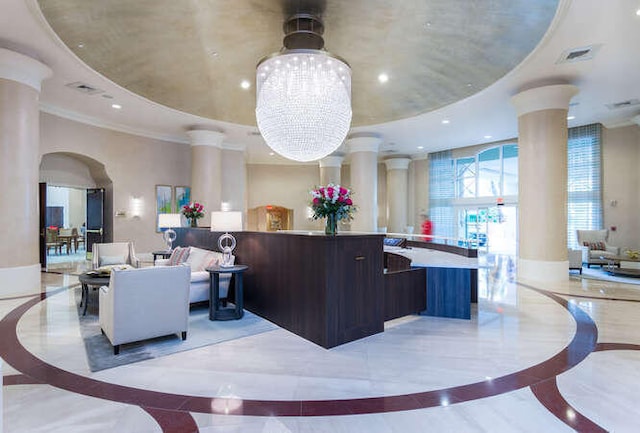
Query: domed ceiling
point(193, 55)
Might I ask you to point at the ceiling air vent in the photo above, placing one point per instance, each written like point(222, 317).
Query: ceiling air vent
point(84, 88)
point(578, 54)
point(623, 104)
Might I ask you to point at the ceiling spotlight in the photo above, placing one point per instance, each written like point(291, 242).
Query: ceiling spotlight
point(116, 106)
point(383, 78)
point(245, 84)
point(487, 137)
point(445, 121)
point(420, 147)
point(571, 117)
point(303, 94)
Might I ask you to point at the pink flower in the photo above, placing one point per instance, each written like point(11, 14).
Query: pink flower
point(316, 201)
point(343, 191)
point(348, 202)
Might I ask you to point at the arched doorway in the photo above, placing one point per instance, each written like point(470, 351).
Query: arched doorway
point(70, 179)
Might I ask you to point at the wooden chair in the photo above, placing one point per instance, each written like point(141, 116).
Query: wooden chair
point(79, 239)
point(52, 241)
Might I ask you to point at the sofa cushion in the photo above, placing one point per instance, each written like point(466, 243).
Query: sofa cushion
point(179, 256)
point(199, 276)
point(200, 259)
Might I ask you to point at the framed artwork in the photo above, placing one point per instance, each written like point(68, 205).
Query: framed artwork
point(183, 197)
point(164, 201)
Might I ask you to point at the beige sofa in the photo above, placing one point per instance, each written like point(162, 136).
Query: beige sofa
point(144, 303)
point(594, 246)
point(199, 259)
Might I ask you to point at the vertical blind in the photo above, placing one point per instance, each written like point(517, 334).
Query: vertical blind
point(584, 181)
point(441, 192)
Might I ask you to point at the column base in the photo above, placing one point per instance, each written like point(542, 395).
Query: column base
point(538, 270)
point(20, 280)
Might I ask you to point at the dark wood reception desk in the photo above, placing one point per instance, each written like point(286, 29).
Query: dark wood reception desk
point(327, 289)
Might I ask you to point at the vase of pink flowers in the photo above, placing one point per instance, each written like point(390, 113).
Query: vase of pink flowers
point(193, 212)
point(334, 203)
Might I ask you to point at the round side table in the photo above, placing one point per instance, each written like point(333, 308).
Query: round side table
point(216, 311)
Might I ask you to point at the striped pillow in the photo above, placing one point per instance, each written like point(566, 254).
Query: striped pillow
point(179, 255)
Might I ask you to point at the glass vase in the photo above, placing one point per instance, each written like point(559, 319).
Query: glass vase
point(331, 227)
point(194, 222)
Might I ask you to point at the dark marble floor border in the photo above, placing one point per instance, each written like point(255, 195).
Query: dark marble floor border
point(583, 343)
point(599, 298)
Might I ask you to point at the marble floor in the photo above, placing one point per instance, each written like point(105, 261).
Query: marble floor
point(534, 358)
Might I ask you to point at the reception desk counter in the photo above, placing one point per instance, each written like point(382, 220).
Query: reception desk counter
point(327, 289)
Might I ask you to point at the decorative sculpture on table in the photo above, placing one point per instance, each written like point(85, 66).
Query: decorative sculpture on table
point(334, 203)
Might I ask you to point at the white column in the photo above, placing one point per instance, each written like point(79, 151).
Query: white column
point(364, 178)
point(234, 179)
point(20, 80)
point(542, 182)
point(206, 170)
point(397, 194)
point(330, 169)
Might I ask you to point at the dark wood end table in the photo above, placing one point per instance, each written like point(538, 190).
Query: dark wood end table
point(91, 279)
point(165, 254)
point(216, 311)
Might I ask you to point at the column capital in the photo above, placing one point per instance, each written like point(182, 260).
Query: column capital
point(363, 143)
point(23, 69)
point(551, 97)
point(331, 161)
point(206, 137)
point(397, 163)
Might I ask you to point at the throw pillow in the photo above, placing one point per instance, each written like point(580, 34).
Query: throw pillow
point(179, 256)
point(112, 260)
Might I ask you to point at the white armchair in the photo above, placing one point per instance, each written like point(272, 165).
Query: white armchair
point(145, 303)
point(594, 246)
point(115, 253)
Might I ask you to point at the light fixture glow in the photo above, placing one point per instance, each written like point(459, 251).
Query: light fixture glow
point(638, 12)
point(420, 147)
point(245, 84)
point(383, 78)
point(487, 137)
point(116, 106)
point(303, 113)
point(571, 117)
point(445, 122)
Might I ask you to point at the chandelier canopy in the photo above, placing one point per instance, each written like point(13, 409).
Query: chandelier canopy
point(303, 105)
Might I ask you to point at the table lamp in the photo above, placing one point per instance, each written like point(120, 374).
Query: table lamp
point(168, 221)
point(226, 221)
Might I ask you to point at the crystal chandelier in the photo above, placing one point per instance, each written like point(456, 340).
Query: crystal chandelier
point(303, 106)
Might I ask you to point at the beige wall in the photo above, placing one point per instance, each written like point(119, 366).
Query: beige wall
point(621, 185)
point(284, 185)
point(134, 165)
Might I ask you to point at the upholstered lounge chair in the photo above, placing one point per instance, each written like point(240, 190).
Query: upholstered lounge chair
point(595, 249)
point(145, 303)
point(115, 253)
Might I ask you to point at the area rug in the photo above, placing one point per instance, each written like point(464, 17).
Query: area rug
point(202, 332)
point(603, 275)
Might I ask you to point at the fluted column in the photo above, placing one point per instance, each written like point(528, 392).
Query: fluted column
point(542, 182)
point(20, 81)
point(364, 181)
point(397, 194)
point(234, 179)
point(330, 169)
point(206, 170)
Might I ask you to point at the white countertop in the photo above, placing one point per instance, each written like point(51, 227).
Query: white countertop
point(433, 258)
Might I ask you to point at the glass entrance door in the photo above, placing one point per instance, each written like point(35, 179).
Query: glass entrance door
point(489, 229)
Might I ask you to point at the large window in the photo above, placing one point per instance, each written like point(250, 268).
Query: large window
point(491, 173)
point(584, 209)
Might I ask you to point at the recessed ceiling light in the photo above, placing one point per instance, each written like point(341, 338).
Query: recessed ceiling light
point(80, 45)
point(571, 117)
point(245, 84)
point(445, 121)
point(271, 153)
point(383, 78)
point(116, 106)
point(420, 147)
point(487, 136)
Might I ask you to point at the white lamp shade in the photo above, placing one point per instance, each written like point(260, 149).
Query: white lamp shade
point(168, 220)
point(226, 221)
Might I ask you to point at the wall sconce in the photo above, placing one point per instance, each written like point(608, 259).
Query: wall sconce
point(135, 207)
